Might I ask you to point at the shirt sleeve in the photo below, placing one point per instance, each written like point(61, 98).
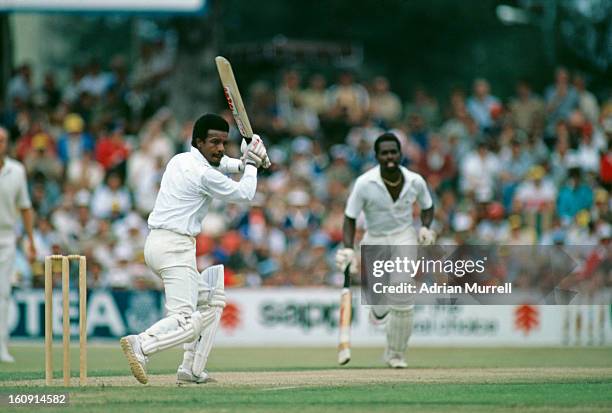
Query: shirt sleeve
point(230, 165)
point(221, 187)
point(23, 197)
point(423, 197)
point(355, 202)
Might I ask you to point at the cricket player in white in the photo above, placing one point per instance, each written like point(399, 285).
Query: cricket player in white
point(14, 199)
point(386, 194)
point(194, 302)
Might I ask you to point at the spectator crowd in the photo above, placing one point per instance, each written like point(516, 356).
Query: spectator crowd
point(533, 169)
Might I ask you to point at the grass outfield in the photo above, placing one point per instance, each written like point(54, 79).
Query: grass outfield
point(308, 380)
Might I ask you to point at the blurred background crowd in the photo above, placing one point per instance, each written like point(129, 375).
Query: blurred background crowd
point(532, 169)
point(515, 149)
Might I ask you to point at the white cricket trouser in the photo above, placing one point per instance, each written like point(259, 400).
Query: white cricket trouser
point(7, 269)
point(399, 324)
point(172, 257)
point(408, 237)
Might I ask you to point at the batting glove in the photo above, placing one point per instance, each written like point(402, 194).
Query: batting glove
point(244, 146)
point(259, 151)
point(346, 257)
point(255, 153)
point(426, 236)
point(266, 162)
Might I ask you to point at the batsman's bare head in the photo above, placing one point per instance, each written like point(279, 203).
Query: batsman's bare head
point(209, 136)
point(388, 153)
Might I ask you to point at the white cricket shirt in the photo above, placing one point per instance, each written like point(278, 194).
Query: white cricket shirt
point(13, 195)
point(383, 216)
point(188, 186)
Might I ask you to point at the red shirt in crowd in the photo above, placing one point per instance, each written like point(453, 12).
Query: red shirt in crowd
point(111, 151)
point(605, 169)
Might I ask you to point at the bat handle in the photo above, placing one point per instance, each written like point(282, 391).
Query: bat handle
point(347, 276)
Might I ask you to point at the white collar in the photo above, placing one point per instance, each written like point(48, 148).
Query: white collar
point(198, 155)
point(375, 176)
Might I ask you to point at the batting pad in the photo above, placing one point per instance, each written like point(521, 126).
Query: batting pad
point(211, 301)
point(204, 344)
point(211, 287)
point(171, 331)
point(399, 328)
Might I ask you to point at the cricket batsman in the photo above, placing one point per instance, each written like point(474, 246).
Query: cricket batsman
point(194, 301)
point(386, 194)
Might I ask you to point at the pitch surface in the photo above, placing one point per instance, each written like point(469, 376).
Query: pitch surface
point(307, 379)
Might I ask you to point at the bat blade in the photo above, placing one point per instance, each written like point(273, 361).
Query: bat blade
point(233, 97)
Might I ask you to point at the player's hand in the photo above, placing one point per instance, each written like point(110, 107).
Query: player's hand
point(266, 162)
point(31, 251)
point(255, 152)
point(243, 147)
point(346, 257)
point(262, 152)
point(258, 151)
point(426, 236)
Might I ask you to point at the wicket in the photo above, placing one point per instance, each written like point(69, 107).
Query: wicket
point(65, 259)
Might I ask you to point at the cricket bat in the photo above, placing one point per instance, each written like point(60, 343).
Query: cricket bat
point(344, 339)
point(234, 101)
point(232, 95)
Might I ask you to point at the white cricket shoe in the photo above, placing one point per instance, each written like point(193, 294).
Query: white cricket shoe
point(5, 357)
point(136, 358)
point(344, 356)
point(184, 376)
point(395, 360)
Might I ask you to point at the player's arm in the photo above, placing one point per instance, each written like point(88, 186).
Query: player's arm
point(426, 235)
point(348, 232)
point(28, 223)
point(221, 187)
point(231, 165)
point(234, 165)
point(25, 207)
point(427, 216)
point(346, 256)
